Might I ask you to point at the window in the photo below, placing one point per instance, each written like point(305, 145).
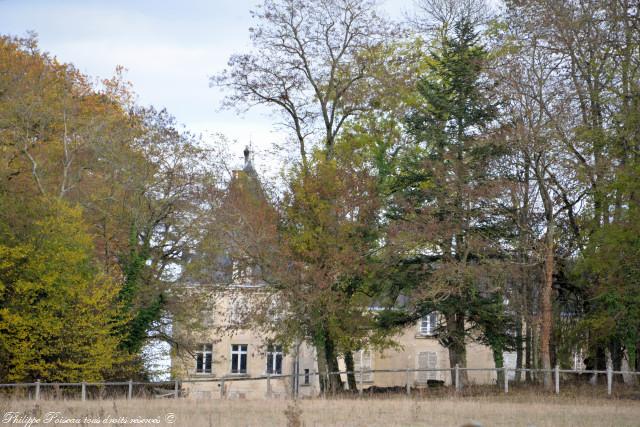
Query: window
point(241, 271)
point(239, 359)
point(427, 360)
point(238, 271)
point(203, 358)
point(306, 377)
point(362, 359)
point(274, 359)
point(428, 324)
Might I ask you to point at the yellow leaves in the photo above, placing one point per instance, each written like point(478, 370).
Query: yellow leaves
point(60, 320)
point(54, 122)
point(9, 258)
point(426, 185)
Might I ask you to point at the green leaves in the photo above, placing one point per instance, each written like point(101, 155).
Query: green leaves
point(441, 212)
point(609, 272)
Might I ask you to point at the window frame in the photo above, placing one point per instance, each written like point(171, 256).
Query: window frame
point(273, 353)
point(204, 357)
point(431, 320)
point(238, 353)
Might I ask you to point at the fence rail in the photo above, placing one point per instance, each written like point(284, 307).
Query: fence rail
point(172, 388)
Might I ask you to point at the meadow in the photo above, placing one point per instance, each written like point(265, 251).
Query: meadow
point(522, 409)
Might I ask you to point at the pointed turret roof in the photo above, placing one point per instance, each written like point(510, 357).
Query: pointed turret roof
point(248, 164)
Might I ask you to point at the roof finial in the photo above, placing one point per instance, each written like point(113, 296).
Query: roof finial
point(246, 155)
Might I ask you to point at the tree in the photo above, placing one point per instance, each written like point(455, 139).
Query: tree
point(58, 311)
point(611, 261)
point(326, 230)
point(578, 93)
point(140, 179)
point(313, 62)
point(445, 222)
point(166, 177)
point(332, 230)
point(316, 62)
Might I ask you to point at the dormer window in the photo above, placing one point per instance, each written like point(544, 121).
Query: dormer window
point(428, 324)
point(239, 271)
point(242, 271)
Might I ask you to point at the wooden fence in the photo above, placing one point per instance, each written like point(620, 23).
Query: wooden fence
point(172, 389)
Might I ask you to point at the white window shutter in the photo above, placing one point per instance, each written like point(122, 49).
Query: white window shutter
point(427, 360)
point(362, 359)
point(433, 364)
point(366, 365)
point(423, 363)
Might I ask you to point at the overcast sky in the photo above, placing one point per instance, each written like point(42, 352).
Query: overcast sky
point(170, 49)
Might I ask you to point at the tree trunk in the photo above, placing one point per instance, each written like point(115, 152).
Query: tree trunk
point(546, 309)
point(498, 360)
point(351, 376)
point(528, 352)
point(626, 365)
point(519, 348)
point(322, 367)
point(630, 360)
point(616, 351)
point(327, 363)
point(456, 347)
point(335, 381)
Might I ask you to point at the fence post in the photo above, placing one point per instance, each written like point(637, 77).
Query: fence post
point(361, 381)
point(457, 377)
point(130, 392)
point(84, 391)
point(268, 385)
point(557, 378)
point(175, 389)
point(408, 384)
point(506, 379)
point(38, 389)
point(222, 389)
point(609, 379)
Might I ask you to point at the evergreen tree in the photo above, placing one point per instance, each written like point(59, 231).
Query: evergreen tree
point(448, 226)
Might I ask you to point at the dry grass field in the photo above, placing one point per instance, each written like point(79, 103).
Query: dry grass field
point(518, 410)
